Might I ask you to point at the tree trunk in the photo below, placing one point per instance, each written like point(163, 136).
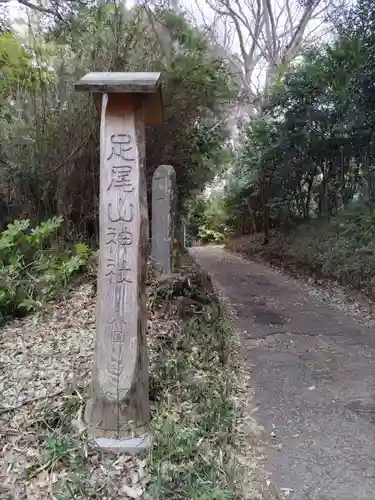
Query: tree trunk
point(308, 198)
point(253, 221)
point(323, 192)
point(265, 208)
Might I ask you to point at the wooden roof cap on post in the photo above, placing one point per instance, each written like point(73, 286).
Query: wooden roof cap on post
point(146, 84)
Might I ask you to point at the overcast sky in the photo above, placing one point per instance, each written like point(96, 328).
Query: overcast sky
point(197, 10)
point(17, 11)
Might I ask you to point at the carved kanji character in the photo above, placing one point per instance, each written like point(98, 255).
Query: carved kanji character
point(120, 178)
point(120, 145)
point(125, 211)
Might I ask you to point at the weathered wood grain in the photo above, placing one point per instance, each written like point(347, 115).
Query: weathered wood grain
point(120, 82)
point(146, 84)
point(119, 394)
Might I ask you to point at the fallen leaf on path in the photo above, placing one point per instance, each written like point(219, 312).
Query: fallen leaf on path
point(132, 491)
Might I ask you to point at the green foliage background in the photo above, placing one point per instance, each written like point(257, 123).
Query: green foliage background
point(49, 152)
point(33, 268)
point(311, 153)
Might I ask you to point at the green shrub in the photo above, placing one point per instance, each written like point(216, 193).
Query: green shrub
point(342, 247)
point(32, 268)
point(208, 235)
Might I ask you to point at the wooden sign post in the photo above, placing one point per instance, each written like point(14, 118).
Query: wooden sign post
point(118, 411)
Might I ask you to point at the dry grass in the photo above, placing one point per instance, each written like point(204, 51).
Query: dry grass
point(45, 372)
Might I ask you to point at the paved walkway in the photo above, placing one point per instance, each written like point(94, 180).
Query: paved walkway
point(314, 380)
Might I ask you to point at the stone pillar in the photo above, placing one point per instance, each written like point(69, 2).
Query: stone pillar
point(164, 206)
point(118, 410)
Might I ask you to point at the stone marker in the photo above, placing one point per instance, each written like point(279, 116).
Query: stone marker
point(164, 205)
point(118, 410)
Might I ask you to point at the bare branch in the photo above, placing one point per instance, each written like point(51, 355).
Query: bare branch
point(293, 46)
point(290, 18)
point(34, 6)
point(270, 28)
point(236, 19)
point(71, 155)
point(268, 34)
point(25, 402)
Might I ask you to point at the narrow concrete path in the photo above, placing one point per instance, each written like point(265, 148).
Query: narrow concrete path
point(314, 377)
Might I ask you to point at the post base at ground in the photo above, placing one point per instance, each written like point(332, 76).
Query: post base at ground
point(129, 445)
point(138, 442)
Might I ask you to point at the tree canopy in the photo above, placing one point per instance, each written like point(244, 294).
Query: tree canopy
point(312, 153)
point(49, 151)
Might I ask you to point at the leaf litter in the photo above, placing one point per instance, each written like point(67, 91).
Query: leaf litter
point(45, 363)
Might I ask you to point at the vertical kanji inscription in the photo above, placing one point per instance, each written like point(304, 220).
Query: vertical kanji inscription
point(120, 355)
